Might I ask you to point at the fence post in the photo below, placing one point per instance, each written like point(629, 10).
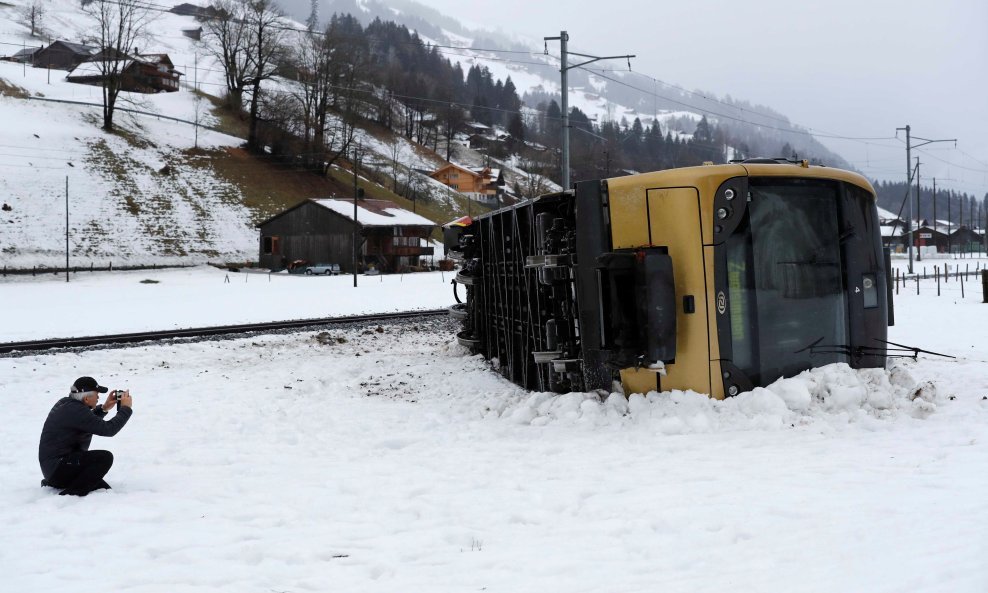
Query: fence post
point(962, 287)
point(917, 283)
point(936, 270)
point(984, 285)
point(111, 266)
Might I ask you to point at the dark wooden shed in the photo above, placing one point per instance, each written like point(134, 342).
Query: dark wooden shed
point(389, 238)
point(967, 240)
point(62, 55)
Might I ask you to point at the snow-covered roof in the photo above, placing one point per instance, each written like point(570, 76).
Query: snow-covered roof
point(95, 68)
point(884, 214)
point(78, 48)
point(375, 212)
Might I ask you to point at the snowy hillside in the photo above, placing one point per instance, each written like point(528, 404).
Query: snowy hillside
point(136, 197)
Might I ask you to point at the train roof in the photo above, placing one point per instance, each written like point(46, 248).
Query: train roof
point(691, 176)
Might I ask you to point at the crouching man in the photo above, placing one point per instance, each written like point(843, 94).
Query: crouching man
point(66, 461)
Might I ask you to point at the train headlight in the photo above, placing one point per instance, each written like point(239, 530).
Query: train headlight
point(723, 213)
point(729, 194)
point(870, 289)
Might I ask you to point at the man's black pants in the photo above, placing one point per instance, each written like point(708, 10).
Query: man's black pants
point(81, 473)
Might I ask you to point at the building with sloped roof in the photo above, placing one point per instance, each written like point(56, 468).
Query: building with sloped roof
point(62, 55)
point(143, 73)
point(389, 238)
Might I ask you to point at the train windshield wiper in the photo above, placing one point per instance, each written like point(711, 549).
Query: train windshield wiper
point(816, 348)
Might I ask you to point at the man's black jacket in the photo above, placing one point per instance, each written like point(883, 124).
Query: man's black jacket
point(70, 428)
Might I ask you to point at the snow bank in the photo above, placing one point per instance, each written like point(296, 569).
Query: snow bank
point(832, 396)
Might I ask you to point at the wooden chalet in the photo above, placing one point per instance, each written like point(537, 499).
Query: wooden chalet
point(481, 184)
point(389, 238)
point(143, 73)
point(62, 55)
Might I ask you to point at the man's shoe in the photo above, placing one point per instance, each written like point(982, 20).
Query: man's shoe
point(46, 484)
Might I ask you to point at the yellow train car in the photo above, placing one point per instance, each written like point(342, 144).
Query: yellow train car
point(715, 279)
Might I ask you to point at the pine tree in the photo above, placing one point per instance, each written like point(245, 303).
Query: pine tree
point(312, 22)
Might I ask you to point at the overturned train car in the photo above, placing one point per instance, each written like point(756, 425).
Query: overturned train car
point(715, 279)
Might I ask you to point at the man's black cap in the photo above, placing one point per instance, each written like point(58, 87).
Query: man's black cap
point(87, 384)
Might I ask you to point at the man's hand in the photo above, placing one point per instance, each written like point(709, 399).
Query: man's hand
point(126, 401)
point(111, 401)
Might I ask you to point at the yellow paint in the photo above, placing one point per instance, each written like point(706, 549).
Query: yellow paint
point(675, 216)
point(639, 381)
point(678, 204)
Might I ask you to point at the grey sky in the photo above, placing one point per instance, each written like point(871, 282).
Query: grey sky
point(851, 68)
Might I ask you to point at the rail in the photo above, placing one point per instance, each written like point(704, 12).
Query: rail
point(24, 348)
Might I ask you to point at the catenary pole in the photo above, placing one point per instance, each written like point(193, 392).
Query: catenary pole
point(564, 68)
point(919, 203)
point(909, 180)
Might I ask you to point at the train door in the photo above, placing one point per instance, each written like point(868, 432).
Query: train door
point(674, 222)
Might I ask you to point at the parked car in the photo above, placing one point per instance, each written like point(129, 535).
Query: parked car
point(325, 269)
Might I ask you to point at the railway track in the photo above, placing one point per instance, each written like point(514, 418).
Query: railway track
point(230, 331)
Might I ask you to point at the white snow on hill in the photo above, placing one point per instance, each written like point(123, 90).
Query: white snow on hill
point(139, 196)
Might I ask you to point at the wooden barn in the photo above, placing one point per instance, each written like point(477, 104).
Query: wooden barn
point(389, 238)
point(62, 55)
point(967, 240)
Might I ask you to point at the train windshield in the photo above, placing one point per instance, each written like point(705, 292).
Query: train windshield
point(788, 310)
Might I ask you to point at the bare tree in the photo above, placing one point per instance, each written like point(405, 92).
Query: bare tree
point(453, 120)
point(120, 25)
point(533, 182)
point(326, 96)
point(265, 44)
point(34, 13)
point(397, 149)
point(227, 37)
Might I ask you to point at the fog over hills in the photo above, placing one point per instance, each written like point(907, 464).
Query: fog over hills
point(604, 90)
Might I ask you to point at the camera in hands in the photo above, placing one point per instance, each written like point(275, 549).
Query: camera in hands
point(117, 394)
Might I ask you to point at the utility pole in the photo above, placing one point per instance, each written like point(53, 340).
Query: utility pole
point(356, 193)
point(66, 228)
point(564, 68)
point(909, 181)
point(919, 205)
point(935, 224)
point(949, 223)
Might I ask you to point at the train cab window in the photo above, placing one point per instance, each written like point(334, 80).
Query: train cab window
point(785, 282)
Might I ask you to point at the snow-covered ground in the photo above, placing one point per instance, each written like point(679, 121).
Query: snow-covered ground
point(390, 460)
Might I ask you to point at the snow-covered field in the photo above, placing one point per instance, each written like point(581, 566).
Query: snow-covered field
point(390, 460)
